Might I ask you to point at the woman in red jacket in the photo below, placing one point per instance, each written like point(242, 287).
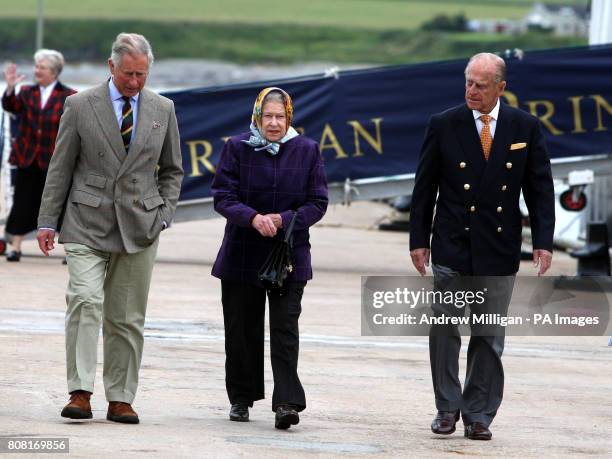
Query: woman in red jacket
point(38, 108)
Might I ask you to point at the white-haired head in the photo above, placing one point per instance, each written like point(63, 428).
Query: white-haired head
point(489, 58)
point(133, 44)
point(54, 60)
point(485, 82)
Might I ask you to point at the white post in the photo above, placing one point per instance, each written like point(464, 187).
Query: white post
point(40, 25)
point(5, 170)
point(600, 30)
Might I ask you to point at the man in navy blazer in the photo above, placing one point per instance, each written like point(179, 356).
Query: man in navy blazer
point(475, 161)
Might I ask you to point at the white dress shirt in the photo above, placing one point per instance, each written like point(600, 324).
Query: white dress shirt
point(492, 123)
point(45, 93)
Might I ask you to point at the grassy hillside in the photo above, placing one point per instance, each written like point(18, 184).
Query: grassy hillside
point(90, 41)
point(341, 31)
point(369, 14)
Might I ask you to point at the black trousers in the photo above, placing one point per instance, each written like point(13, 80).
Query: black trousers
point(484, 381)
point(29, 186)
point(243, 317)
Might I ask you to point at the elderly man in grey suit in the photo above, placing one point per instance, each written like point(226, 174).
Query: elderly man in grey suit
point(116, 174)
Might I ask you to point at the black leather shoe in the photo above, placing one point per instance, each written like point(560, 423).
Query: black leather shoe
point(239, 412)
point(14, 255)
point(286, 416)
point(477, 431)
point(444, 422)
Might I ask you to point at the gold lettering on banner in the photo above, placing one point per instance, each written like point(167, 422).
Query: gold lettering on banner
point(599, 103)
point(358, 129)
point(202, 159)
point(328, 133)
point(545, 117)
point(578, 128)
point(511, 99)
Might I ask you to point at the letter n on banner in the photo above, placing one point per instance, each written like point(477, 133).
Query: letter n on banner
point(358, 130)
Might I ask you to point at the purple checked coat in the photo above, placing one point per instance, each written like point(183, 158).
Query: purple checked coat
point(248, 182)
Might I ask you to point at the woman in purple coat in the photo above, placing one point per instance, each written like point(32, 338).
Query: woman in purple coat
point(263, 177)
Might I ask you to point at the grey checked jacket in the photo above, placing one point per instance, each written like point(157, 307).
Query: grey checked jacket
point(114, 201)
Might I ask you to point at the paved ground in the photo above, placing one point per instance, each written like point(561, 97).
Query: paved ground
point(367, 397)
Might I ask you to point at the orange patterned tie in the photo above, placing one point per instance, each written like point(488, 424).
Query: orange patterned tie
point(485, 136)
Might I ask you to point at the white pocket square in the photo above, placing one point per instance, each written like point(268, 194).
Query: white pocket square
point(518, 146)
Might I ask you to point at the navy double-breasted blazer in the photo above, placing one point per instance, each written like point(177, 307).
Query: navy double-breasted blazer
point(477, 224)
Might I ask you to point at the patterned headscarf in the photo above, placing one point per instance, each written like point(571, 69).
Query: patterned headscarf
point(257, 140)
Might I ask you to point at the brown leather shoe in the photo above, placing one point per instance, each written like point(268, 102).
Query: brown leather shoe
point(477, 431)
point(78, 407)
point(444, 422)
point(121, 412)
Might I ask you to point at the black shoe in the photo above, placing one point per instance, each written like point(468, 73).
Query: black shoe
point(286, 416)
point(444, 422)
point(14, 255)
point(477, 431)
point(239, 412)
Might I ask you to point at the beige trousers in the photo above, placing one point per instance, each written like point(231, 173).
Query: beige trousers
point(108, 288)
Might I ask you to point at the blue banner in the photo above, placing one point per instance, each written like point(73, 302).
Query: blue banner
point(370, 123)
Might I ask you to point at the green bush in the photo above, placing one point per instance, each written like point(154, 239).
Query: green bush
point(90, 40)
point(446, 23)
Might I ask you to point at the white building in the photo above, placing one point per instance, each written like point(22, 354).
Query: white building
point(563, 20)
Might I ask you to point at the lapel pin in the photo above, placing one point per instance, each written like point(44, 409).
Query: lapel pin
point(156, 124)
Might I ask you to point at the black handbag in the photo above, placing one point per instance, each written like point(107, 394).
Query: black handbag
point(277, 266)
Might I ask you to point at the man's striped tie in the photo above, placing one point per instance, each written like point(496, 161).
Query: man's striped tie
point(127, 122)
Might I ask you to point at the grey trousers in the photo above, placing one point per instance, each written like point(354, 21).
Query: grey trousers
point(110, 289)
point(484, 381)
